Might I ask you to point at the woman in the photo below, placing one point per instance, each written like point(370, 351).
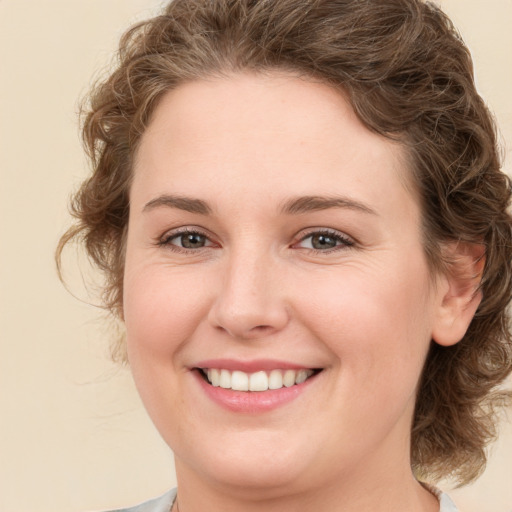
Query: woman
point(300, 214)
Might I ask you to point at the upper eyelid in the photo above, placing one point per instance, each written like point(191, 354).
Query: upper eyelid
point(170, 233)
point(330, 231)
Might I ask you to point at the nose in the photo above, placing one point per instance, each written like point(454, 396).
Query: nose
point(250, 303)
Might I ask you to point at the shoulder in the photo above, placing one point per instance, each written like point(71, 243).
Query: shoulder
point(445, 502)
point(161, 504)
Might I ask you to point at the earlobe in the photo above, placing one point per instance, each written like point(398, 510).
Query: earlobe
point(459, 292)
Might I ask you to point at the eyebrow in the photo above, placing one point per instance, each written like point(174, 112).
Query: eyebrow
point(294, 206)
point(187, 204)
point(304, 204)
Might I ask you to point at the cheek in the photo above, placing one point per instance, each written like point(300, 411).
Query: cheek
point(162, 308)
point(377, 324)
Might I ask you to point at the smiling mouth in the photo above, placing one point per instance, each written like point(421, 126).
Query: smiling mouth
point(257, 381)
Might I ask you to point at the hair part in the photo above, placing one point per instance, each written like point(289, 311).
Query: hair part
point(409, 77)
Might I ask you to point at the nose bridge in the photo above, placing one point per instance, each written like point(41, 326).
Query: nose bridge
point(250, 301)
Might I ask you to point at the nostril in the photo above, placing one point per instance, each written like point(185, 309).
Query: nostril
point(260, 330)
point(245, 319)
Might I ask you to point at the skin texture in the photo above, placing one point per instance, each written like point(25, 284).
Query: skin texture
point(365, 312)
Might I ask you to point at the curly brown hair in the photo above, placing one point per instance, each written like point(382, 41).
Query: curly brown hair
point(409, 77)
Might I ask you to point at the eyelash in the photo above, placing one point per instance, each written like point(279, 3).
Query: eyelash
point(165, 240)
point(343, 240)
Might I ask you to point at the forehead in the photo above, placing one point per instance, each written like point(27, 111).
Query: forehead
point(264, 132)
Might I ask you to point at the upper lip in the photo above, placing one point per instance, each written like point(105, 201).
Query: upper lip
point(251, 366)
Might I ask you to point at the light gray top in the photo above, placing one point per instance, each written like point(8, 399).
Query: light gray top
point(161, 504)
point(164, 503)
point(445, 502)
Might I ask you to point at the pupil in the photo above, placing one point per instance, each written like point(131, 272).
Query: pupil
point(192, 241)
point(323, 242)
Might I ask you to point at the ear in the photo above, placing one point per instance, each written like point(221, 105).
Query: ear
point(459, 292)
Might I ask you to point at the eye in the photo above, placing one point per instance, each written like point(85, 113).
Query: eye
point(187, 240)
point(324, 241)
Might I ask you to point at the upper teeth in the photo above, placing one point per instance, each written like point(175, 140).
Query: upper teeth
point(259, 381)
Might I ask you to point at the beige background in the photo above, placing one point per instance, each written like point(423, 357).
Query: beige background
point(73, 435)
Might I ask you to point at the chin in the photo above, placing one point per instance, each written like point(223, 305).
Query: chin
point(251, 463)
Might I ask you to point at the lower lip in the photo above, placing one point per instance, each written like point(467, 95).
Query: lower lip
point(252, 402)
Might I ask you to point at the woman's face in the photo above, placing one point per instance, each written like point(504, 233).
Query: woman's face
point(271, 238)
